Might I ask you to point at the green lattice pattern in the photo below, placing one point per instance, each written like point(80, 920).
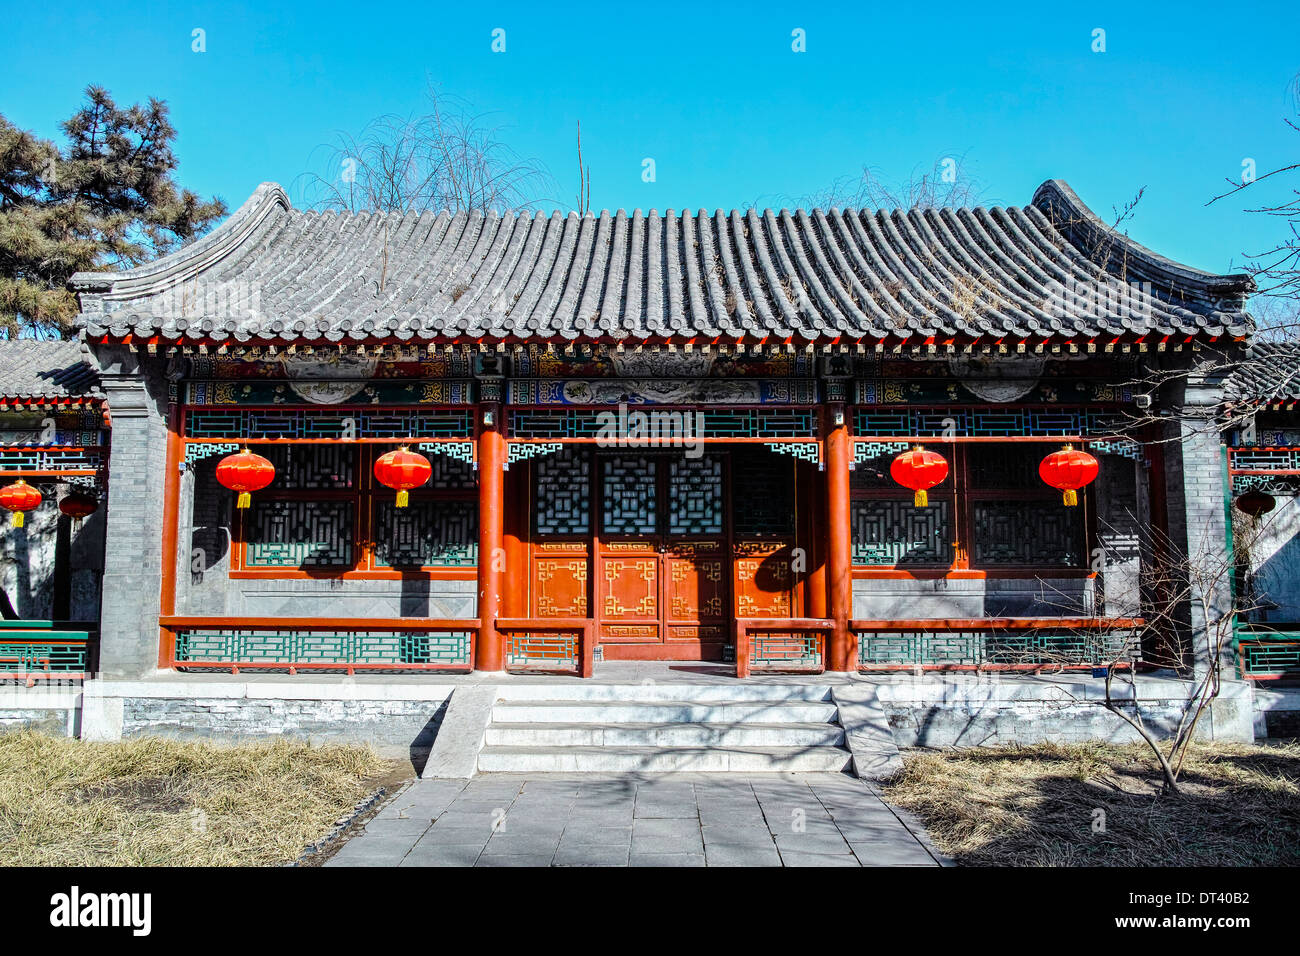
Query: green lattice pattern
point(718, 423)
point(964, 422)
point(544, 651)
point(785, 651)
point(1268, 653)
point(957, 648)
point(23, 657)
point(306, 423)
point(304, 648)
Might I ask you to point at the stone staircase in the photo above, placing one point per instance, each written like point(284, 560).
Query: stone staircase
point(657, 728)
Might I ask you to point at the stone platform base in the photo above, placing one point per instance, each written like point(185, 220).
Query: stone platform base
point(401, 716)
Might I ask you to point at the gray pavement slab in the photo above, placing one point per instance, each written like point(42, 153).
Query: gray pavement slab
point(787, 819)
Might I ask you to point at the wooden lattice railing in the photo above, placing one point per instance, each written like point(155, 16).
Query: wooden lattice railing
point(779, 645)
point(45, 650)
point(549, 644)
point(327, 644)
point(1268, 651)
point(1006, 643)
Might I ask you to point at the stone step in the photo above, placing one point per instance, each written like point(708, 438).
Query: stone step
point(701, 693)
point(662, 759)
point(662, 712)
point(817, 734)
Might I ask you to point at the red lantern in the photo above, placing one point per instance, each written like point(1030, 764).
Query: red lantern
point(245, 473)
point(919, 469)
point(1256, 503)
point(77, 506)
point(403, 470)
point(19, 498)
point(1068, 470)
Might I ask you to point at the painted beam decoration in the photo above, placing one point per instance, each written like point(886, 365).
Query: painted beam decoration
point(650, 391)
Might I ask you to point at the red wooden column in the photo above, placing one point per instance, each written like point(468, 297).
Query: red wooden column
point(170, 535)
point(842, 650)
point(490, 654)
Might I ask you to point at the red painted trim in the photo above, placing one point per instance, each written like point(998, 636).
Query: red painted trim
point(364, 574)
point(186, 622)
point(881, 573)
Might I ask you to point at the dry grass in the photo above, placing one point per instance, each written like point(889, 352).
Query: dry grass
point(1034, 806)
point(156, 802)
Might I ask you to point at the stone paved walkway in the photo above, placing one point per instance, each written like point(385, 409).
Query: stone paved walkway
point(639, 820)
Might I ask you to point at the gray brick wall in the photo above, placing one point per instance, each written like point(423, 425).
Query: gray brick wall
point(133, 557)
point(1197, 522)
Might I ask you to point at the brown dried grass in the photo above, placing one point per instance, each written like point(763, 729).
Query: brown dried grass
point(158, 802)
point(1034, 806)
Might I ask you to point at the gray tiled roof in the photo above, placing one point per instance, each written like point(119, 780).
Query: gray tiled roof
point(1270, 372)
point(41, 370)
point(275, 273)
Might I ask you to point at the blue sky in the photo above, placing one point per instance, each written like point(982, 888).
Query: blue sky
point(715, 95)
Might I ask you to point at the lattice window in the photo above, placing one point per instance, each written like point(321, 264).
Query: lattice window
point(762, 489)
point(1035, 533)
point(992, 502)
point(695, 495)
point(562, 492)
point(629, 496)
point(450, 474)
point(312, 466)
point(872, 471)
point(431, 532)
point(325, 511)
point(286, 533)
point(1017, 519)
point(892, 532)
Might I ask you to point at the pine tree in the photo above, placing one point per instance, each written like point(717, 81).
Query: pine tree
point(106, 200)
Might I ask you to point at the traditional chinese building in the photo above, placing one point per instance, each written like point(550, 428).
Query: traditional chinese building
point(53, 455)
point(650, 437)
point(1262, 454)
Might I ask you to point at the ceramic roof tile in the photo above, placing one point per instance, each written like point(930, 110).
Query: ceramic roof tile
point(31, 369)
point(274, 273)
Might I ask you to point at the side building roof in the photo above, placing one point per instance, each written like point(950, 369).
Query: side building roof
point(37, 372)
point(1268, 374)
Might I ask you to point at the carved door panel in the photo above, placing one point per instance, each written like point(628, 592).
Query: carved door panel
point(694, 551)
point(561, 527)
point(628, 599)
point(662, 553)
point(765, 578)
point(765, 564)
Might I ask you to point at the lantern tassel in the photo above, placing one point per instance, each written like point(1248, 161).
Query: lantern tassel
point(403, 498)
point(1071, 497)
point(245, 499)
point(18, 519)
point(920, 499)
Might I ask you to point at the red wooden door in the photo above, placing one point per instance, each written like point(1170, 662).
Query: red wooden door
point(661, 588)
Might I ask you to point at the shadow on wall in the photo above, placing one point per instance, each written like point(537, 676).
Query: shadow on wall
point(1276, 558)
